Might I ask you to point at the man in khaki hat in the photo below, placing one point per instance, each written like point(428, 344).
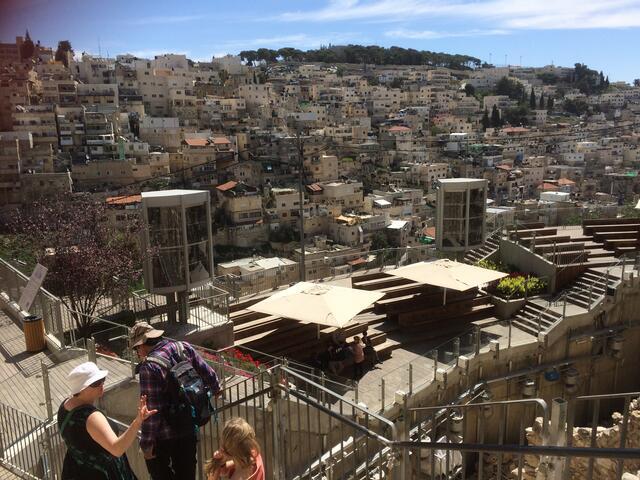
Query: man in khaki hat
point(169, 449)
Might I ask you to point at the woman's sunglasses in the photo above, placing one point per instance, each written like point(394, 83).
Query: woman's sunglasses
point(98, 383)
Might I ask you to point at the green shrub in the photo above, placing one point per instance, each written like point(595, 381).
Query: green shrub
point(489, 265)
point(515, 286)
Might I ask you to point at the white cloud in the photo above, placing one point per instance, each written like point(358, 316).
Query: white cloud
point(431, 34)
point(500, 14)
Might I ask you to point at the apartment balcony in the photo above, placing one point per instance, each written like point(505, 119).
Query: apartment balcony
point(66, 142)
point(106, 140)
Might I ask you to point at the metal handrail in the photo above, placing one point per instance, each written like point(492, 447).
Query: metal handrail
point(354, 405)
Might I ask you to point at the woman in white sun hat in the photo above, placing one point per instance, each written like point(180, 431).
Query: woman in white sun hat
point(94, 451)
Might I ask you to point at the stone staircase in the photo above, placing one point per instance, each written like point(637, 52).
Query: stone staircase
point(491, 245)
point(534, 318)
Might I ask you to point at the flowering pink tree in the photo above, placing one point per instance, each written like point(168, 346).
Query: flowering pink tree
point(87, 258)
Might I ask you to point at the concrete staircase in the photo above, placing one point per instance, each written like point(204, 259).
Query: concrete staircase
point(589, 288)
point(534, 318)
point(491, 245)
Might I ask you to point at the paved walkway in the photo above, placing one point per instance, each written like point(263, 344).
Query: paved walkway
point(395, 370)
point(21, 383)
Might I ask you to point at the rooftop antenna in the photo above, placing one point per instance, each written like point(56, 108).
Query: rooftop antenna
point(99, 48)
point(505, 60)
point(489, 57)
point(520, 60)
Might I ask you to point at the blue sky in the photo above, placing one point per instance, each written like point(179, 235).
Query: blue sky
point(605, 34)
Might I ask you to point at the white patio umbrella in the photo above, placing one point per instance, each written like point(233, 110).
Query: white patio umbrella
point(321, 304)
point(448, 274)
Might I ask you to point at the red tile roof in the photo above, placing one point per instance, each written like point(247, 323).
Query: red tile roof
point(399, 128)
point(429, 232)
point(515, 130)
point(227, 186)
point(357, 261)
point(548, 187)
point(221, 141)
point(124, 200)
point(566, 181)
point(196, 142)
point(314, 187)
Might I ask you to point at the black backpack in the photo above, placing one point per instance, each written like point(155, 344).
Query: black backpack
point(189, 397)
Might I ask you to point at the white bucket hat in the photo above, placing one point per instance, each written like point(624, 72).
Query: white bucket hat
point(84, 375)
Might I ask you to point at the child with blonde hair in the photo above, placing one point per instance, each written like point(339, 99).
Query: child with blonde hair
point(238, 457)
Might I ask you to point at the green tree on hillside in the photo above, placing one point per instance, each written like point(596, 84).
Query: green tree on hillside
point(64, 47)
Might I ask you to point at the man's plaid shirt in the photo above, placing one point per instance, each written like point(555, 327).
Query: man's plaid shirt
point(153, 384)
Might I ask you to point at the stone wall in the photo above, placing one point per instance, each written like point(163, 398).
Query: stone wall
point(606, 437)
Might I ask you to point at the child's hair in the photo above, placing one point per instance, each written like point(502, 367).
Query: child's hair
point(239, 442)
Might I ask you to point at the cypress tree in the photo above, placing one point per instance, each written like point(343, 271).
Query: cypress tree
point(486, 122)
point(495, 117)
point(541, 105)
point(532, 100)
point(550, 104)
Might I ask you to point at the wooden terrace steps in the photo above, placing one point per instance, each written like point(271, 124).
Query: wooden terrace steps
point(435, 315)
point(391, 293)
point(617, 235)
point(600, 229)
point(546, 240)
point(537, 232)
point(401, 305)
point(609, 221)
point(378, 283)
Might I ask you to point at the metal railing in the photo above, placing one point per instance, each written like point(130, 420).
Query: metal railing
point(307, 431)
point(335, 266)
point(333, 382)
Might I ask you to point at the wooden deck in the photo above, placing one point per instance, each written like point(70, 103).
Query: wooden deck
point(8, 474)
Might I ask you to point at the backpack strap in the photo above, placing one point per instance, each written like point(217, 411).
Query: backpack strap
point(158, 360)
point(165, 363)
point(66, 421)
point(180, 348)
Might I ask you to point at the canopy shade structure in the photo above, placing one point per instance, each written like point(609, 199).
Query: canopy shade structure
point(446, 273)
point(321, 304)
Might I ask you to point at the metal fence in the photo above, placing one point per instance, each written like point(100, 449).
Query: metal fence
point(26, 447)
